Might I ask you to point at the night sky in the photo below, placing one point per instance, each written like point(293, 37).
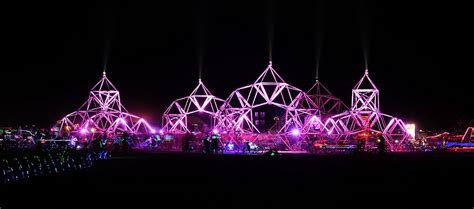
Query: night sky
point(418, 53)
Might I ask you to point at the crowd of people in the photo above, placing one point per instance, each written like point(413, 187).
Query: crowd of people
point(209, 143)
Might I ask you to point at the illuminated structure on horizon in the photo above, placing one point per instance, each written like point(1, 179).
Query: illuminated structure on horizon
point(316, 114)
point(268, 90)
point(102, 113)
point(365, 121)
point(200, 103)
point(299, 116)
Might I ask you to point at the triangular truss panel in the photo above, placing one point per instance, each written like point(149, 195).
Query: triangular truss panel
point(102, 113)
point(199, 102)
point(325, 100)
point(363, 118)
point(365, 95)
point(237, 114)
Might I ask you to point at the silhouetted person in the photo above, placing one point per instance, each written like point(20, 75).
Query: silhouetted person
point(104, 137)
point(125, 145)
point(381, 145)
point(47, 135)
point(186, 142)
point(356, 151)
point(39, 146)
point(115, 147)
point(153, 143)
point(96, 145)
point(207, 145)
point(125, 135)
point(247, 146)
point(215, 144)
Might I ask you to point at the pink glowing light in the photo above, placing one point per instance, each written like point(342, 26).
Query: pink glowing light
point(268, 90)
point(295, 132)
point(83, 131)
point(123, 121)
point(365, 116)
point(104, 111)
point(200, 101)
point(215, 131)
point(161, 131)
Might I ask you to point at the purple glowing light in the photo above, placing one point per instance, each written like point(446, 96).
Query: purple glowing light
point(153, 131)
point(295, 132)
point(200, 101)
point(215, 131)
point(104, 111)
point(161, 131)
point(83, 131)
point(230, 146)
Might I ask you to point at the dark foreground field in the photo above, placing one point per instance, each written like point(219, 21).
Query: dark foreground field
point(156, 180)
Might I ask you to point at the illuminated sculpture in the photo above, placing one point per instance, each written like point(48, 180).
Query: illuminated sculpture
point(200, 101)
point(328, 104)
point(237, 114)
point(103, 112)
point(364, 119)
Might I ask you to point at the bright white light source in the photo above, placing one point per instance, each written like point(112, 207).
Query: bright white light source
point(295, 132)
point(83, 131)
point(411, 128)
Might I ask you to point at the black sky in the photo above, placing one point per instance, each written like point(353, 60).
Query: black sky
point(418, 53)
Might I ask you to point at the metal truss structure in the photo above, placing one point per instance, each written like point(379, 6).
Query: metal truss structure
point(237, 113)
point(327, 103)
point(318, 113)
point(102, 113)
point(364, 119)
point(200, 101)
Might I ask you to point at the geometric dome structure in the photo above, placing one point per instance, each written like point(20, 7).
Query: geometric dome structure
point(327, 103)
point(245, 107)
point(102, 113)
point(200, 103)
point(365, 120)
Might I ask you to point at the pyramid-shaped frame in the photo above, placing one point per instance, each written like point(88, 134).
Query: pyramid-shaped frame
point(201, 100)
point(102, 113)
